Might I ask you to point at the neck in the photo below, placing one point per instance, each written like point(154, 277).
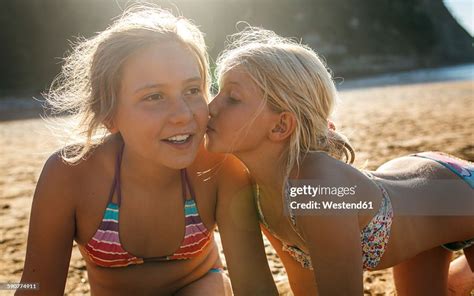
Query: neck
point(267, 166)
point(144, 171)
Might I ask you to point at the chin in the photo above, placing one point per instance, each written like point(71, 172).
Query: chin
point(181, 164)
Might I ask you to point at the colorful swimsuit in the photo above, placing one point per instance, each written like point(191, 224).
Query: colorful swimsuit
point(106, 250)
point(465, 170)
point(460, 167)
point(375, 236)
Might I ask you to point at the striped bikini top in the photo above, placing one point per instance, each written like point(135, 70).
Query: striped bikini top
point(106, 250)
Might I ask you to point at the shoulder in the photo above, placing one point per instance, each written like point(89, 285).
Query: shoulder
point(223, 169)
point(58, 172)
point(335, 184)
point(206, 160)
point(59, 175)
point(347, 186)
point(323, 167)
point(326, 170)
point(55, 187)
point(233, 174)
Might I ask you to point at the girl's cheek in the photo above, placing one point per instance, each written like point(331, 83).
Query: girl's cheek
point(203, 113)
point(204, 117)
point(202, 107)
point(196, 106)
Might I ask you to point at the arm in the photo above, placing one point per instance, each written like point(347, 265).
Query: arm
point(335, 250)
point(301, 280)
point(240, 232)
point(333, 239)
point(51, 231)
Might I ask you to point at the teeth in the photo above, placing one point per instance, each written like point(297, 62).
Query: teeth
point(178, 138)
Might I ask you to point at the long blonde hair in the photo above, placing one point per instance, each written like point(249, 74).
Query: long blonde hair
point(87, 87)
point(292, 78)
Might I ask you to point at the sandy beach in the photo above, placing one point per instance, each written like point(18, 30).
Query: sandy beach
point(381, 122)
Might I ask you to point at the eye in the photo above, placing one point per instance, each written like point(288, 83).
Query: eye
point(153, 97)
point(232, 100)
point(193, 91)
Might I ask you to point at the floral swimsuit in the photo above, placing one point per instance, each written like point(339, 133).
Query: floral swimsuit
point(374, 236)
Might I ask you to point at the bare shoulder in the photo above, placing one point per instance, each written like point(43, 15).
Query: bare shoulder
point(67, 179)
point(223, 168)
point(206, 160)
point(58, 173)
point(325, 171)
point(233, 174)
point(321, 166)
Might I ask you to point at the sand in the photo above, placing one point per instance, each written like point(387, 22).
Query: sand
point(381, 122)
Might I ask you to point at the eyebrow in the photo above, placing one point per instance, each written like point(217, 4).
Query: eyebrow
point(234, 82)
point(158, 85)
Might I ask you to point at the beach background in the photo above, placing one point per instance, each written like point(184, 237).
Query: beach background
point(404, 70)
point(382, 122)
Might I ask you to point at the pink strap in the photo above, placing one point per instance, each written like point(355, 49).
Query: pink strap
point(188, 184)
point(116, 183)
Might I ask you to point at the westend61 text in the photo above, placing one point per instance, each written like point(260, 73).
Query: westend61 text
point(330, 205)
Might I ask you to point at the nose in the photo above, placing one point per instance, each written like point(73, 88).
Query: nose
point(181, 111)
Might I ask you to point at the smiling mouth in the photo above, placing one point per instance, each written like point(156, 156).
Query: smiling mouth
point(179, 139)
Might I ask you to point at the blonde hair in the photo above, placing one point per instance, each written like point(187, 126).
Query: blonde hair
point(292, 78)
point(87, 87)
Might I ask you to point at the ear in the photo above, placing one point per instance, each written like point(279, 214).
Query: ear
point(284, 127)
point(110, 125)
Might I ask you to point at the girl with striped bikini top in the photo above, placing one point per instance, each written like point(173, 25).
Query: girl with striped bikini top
point(106, 250)
point(144, 81)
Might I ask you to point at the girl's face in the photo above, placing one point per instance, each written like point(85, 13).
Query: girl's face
point(240, 119)
point(162, 110)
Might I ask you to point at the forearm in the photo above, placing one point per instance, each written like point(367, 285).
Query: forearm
point(301, 280)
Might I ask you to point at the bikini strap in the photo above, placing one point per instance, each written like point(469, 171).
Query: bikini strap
point(116, 183)
point(259, 207)
point(291, 215)
point(186, 183)
point(183, 184)
point(368, 174)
